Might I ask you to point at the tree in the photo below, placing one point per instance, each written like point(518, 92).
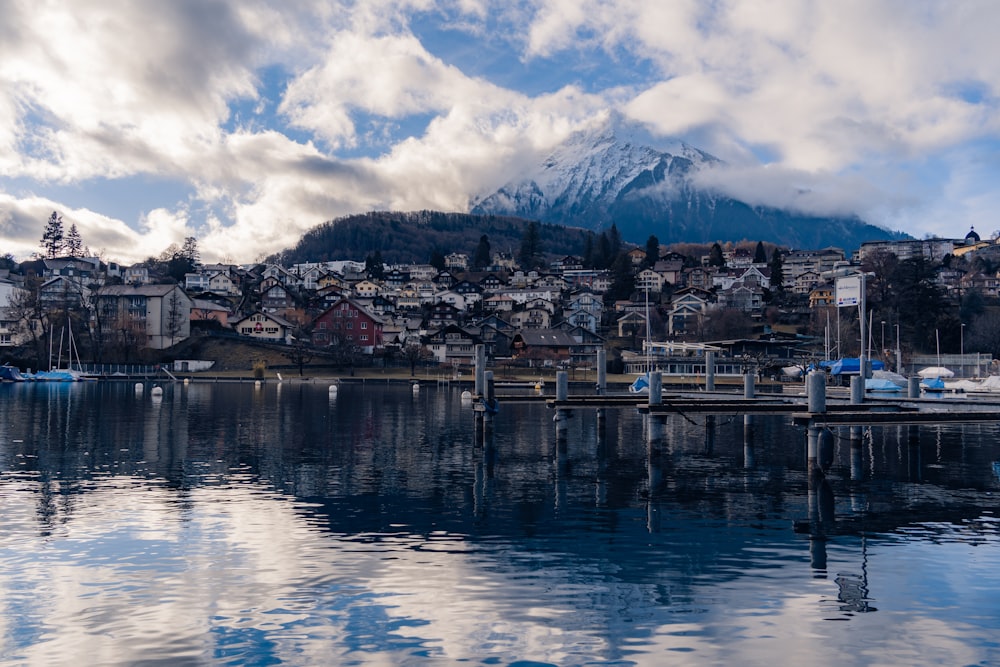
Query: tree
point(52, 237)
point(588, 250)
point(175, 317)
point(652, 251)
point(414, 352)
point(483, 256)
point(190, 250)
point(437, 260)
point(301, 350)
point(374, 266)
point(531, 247)
point(73, 243)
point(622, 279)
point(759, 254)
point(715, 256)
point(777, 279)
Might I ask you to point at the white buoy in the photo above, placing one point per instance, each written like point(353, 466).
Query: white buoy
point(256, 384)
point(156, 391)
point(138, 387)
point(187, 381)
point(466, 396)
point(416, 387)
point(333, 389)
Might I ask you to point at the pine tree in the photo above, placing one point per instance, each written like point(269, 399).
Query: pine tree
point(759, 254)
point(652, 251)
point(52, 237)
point(73, 243)
point(777, 279)
point(531, 247)
point(484, 254)
point(189, 250)
point(715, 256)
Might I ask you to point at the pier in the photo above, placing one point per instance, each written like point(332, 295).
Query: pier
point(816, 406)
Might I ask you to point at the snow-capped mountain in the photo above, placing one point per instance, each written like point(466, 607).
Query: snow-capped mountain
point(597, 178)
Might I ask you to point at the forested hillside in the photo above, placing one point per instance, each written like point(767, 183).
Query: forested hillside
point(415, 236)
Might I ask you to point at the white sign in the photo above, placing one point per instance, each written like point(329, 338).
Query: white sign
point(848, 291)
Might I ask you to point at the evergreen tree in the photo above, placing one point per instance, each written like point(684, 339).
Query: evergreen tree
point(374, 266)
point(759, 254)
point(484, 255)
point(602, 255)
point(437, 260)
point(52, 237)
point(531, 247)
point(614, 243)
point(652, 251)
point(190, 250)
point(777, 279)
point(715, 256)
point(73, 243)
point(622, 279)
point(588, 250)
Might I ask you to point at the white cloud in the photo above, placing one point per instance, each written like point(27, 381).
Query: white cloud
point(819, 106)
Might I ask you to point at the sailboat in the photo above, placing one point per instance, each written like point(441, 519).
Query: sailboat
point(57, 373)
point(641, 384)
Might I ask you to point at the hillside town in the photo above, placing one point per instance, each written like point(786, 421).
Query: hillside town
point(765, 307)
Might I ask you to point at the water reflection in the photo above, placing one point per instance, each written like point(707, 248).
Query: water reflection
point(382, 525)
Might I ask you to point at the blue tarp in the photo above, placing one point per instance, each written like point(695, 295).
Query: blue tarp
point(849, 366)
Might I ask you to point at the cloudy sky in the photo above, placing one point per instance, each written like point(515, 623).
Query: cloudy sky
point(245, 122)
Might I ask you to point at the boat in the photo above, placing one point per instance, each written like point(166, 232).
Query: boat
point(641, 385)
point(882, 385)
point(61, 375)
point(58, 373)
point(11, 373)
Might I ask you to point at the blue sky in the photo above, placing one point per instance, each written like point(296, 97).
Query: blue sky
point(246, 122)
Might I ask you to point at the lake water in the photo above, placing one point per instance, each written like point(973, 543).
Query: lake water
point(223, 524)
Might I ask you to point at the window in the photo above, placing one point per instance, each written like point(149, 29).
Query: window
point(364, 336)
point(350, 325)
point(364, 325)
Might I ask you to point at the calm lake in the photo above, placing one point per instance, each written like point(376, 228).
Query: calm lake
point(223, 524)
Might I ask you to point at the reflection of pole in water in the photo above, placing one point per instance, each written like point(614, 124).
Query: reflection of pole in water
point(913, 452)
point(853, 589)
point(654, 470)
point(709, 434)
point(857, 468)
point(748, 448)
point(821, 520)
point(601, 483)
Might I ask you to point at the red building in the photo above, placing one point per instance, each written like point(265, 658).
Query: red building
point(349, 322)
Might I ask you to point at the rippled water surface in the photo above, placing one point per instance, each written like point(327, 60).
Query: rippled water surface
point(224, 524)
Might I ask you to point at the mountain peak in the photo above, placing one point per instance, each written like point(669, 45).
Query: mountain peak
point(614, 174)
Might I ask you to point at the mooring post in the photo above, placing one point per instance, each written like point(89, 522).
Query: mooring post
point(812, 450)
point(491, 397)
point(655, 388)
point(857, 390)
point(710, 371)
point(562, 386)
point(817, 391)
point(748, 385)
point(480, 371)
point(913, 386)
point(602, 372)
